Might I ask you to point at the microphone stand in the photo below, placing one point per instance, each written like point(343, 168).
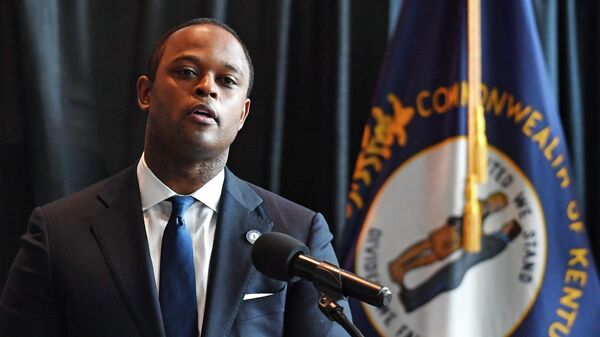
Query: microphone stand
point(329, 286)
point(335, 313)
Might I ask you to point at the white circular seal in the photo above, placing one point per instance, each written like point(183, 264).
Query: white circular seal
point(411, 241)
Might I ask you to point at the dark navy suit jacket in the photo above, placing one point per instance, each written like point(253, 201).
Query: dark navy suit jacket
point(84, 268)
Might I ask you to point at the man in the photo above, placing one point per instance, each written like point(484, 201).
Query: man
point(101, 262)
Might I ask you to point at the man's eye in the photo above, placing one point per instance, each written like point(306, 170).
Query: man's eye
point(186, 72)
point(228, 81)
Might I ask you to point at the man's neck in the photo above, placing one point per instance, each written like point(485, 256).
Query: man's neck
point(184, 176)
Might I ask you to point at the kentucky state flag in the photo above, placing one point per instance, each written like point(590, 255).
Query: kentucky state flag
point(534, 274)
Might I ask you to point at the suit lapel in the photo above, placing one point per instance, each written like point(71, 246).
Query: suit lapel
point(230, 263)
point(119, 229)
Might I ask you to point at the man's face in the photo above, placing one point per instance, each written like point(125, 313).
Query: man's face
point(197, 102)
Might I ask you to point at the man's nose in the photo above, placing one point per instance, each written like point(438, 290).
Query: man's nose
point(206, 87)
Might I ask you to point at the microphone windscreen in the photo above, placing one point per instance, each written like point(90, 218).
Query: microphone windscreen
point(273, 252)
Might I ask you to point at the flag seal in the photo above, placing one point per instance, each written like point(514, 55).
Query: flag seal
point(413, 243)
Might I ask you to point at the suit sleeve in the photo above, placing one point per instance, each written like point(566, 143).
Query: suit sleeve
point(302, 315)
point(27, 306)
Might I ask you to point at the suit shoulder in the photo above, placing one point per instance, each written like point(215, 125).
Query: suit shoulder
point(84, 201)
point(291, 218)
point(272, 200)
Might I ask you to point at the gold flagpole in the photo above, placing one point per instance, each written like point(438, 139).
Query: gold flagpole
point(476, 139)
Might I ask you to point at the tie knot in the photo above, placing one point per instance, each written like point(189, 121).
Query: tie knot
point(180, 204)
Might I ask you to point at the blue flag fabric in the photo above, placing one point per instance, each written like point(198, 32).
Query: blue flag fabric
point(534, 275)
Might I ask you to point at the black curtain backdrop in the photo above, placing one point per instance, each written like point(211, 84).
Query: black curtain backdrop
point(68, 114)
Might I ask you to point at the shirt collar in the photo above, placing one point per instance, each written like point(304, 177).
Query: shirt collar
point(153, 191)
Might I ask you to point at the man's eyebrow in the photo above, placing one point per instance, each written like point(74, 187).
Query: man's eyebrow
point(190, 58)
point(195, 59)
point(233, 68)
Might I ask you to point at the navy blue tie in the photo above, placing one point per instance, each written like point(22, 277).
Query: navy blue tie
point(177, 293)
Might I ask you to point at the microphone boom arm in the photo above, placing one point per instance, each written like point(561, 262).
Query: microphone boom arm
point(328, 276)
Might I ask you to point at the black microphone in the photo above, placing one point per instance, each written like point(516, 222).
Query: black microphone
point(284, 258)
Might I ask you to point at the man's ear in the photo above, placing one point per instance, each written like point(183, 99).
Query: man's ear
point(245, 113)
point(144, 85)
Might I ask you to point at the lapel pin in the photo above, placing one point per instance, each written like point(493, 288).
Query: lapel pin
point(252, 235)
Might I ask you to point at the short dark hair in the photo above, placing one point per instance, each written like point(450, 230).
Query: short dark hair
point(159, 48)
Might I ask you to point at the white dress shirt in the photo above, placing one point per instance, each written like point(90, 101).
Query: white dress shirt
point(200, 220)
